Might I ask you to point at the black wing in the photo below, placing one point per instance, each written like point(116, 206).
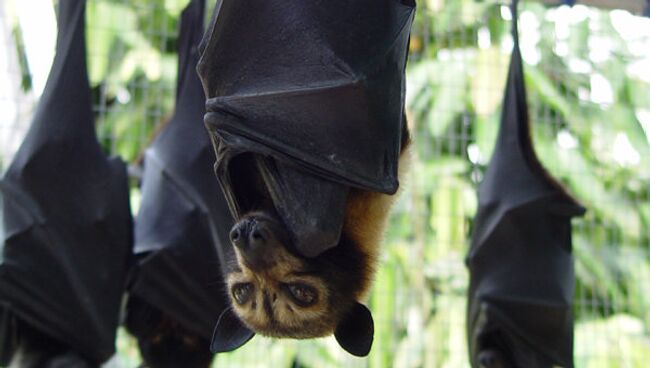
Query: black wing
point(316, 90)
point(67, 223)
point(184, 220)
point(521, 267)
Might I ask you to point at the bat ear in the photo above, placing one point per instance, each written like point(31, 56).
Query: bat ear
point(356, 330)
point(230, 333)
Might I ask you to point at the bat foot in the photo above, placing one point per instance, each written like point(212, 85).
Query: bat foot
point(490, 358)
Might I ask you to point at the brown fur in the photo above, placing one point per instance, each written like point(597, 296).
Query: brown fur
point(366, 216)
point(341, 276)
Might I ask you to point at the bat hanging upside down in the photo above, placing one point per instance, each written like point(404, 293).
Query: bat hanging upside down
point(305, 110)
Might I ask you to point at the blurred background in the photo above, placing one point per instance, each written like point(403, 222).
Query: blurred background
point(588, 80)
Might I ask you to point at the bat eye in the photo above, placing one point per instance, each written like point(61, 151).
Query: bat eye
point(242, 292)
point(302, 294)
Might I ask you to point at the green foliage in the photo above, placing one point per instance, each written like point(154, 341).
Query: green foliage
point(26, 78)
point(132, 65)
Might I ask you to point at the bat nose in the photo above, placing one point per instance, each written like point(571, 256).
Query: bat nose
point(249, 234)
point(237, 234)
point(258, 236)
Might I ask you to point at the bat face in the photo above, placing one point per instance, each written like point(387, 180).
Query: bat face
point(276, 292)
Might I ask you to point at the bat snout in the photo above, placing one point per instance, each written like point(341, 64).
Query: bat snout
point(257, 241)
point(249, 235)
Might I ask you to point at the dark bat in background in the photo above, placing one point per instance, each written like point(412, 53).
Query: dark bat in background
point(306, 114)
point(175, 288)
point(521, 267)
point(66, 237)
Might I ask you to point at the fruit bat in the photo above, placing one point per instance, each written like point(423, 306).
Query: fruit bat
point(175, 288)
point(67, 234)
point(520, 262)
point(305, 109)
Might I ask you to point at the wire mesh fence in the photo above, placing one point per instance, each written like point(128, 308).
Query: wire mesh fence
point(588, 82)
